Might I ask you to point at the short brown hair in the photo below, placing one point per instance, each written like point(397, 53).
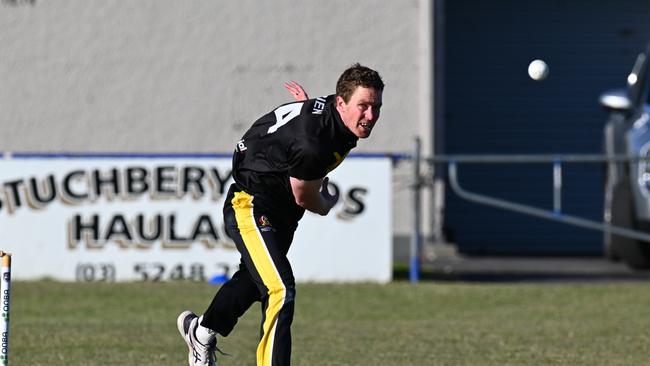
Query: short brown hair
point(357, 75)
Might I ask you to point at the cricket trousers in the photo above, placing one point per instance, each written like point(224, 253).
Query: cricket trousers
point(264, 275)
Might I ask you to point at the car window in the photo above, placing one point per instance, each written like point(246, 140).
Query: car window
point(644, 87)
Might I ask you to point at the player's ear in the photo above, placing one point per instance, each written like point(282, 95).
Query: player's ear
point(339, 101)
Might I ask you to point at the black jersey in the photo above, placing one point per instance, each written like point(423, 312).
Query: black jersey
point(304, 140)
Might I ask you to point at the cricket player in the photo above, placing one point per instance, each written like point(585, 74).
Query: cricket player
point(280, 168)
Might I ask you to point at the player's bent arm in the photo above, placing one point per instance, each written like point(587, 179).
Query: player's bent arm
point(296, 90)
point(312, 195)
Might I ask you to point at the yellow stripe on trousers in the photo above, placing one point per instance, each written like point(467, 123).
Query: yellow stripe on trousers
point(243, 206)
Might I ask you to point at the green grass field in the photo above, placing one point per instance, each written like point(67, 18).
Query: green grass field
point(397, 324)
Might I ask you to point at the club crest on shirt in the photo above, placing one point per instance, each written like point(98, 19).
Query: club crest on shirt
point(264, 224)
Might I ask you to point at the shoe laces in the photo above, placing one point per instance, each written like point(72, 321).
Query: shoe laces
point(212, 350)
point(216, 349)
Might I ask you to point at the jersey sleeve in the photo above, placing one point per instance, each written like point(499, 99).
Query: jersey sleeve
point(306, 162)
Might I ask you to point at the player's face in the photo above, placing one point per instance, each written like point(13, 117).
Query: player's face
point(361, 112)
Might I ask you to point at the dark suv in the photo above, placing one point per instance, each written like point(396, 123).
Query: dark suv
point(627, 183)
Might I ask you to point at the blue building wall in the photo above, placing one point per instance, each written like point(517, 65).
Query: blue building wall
point(492, 106)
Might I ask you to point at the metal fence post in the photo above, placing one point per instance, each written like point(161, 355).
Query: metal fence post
point(416, 236)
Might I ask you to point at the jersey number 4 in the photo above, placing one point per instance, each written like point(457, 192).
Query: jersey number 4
point(284, 114)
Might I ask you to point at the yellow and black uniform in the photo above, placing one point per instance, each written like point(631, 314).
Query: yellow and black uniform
point(304, 140)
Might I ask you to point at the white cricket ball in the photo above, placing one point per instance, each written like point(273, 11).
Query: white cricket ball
point(538, 70)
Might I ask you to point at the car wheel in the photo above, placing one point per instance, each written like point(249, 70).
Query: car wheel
point(634, 253)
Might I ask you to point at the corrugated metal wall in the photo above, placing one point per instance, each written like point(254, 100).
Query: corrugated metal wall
point(492, 106)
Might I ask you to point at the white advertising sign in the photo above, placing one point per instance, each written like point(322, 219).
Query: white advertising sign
point(158, 218)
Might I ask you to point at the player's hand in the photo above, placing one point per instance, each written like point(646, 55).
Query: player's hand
point(313, 195)
point(329, 199)
point(296, 91)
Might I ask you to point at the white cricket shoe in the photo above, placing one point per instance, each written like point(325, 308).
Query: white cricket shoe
point(199, 354)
